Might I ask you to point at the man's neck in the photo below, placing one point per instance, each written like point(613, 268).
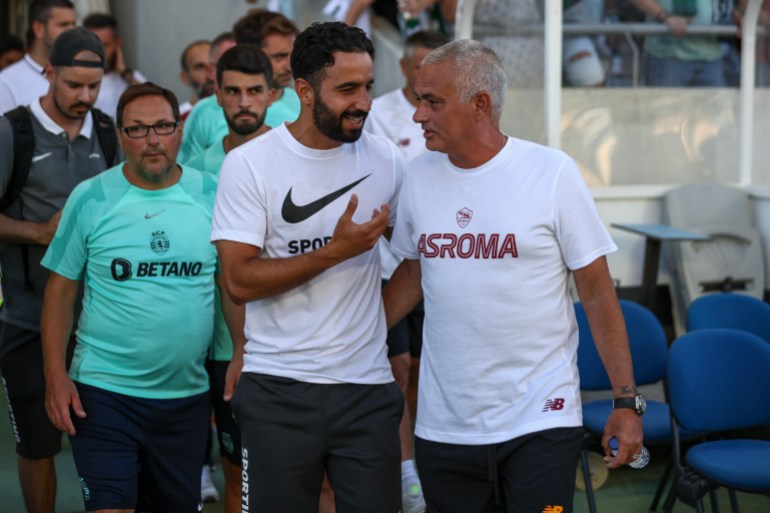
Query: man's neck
point(71, 126)
point(278, 93)
point(233, 140)
point(410, 96)
point(480, 149)
point(39, 53)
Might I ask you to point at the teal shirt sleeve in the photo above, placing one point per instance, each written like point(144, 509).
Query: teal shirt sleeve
point(284, 110)
point(205, 124)
point(67, 254)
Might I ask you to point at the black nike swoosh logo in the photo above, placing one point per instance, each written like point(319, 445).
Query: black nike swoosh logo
point(293, 213)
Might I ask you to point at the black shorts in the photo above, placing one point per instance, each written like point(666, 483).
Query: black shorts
point(406, 335)
point(143, 454)
point(21, 364)
point(293, 431)
point(528, 474)
point(227, 430)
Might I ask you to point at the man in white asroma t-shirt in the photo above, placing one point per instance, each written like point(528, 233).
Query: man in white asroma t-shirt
point(491, 228)
point(298, 213)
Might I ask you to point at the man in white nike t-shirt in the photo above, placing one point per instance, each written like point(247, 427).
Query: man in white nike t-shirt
point(491, 228)
point(298, 213)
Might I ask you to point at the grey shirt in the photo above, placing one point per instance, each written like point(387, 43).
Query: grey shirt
point(58, 165)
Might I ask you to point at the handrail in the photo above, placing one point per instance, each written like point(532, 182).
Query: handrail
point(465, 29)
point(589, 29)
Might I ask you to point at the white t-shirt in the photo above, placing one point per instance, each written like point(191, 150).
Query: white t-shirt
point(112, 87)
point(286, 198)
point(496, 244)
point(21, 83)
point(391, 117)
point(184, 108)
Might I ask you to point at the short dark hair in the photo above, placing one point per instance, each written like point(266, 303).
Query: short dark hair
point(222, 38)
point(40, 10)
point(314, 49)
point(9, 42)
point(183, 58)
point(430, 39)
point(100, 20)
point(146, 89)
point(257, 24)
point(247, 59)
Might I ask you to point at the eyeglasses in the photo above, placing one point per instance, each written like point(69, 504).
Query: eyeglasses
point(162, 128)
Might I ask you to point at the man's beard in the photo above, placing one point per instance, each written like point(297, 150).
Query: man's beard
point(247, 128)
point(331, 125)
point(66, 111)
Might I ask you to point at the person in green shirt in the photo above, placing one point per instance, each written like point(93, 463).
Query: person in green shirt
point(136, 399)
point(244, 92)
point(274, 34)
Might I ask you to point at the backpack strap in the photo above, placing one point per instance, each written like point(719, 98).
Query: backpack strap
point(23, 150)
point(105, 132)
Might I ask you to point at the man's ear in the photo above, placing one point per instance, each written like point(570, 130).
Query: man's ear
point(482, 103)
point(50, 72)
point(305, 91)
point(38, 27)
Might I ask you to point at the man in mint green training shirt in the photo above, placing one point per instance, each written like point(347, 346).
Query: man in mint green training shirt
point(135, 402)
point(274, 34)
point(244, 92)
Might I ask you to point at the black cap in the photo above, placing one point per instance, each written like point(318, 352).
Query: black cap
point(73, 41)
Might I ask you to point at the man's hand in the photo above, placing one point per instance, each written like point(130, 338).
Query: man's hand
point(60, 395)
point(626, 426)
point(48, 229)
point(232, 375)
point(677, 25)
point(350, 239)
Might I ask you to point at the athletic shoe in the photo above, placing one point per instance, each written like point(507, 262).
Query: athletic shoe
point(412, 500)
point(209, 492)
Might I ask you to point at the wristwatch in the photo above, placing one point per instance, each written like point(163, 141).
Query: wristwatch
point(637, 403)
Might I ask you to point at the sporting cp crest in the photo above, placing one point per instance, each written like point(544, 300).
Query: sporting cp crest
point(159, 243)
point(464, 216)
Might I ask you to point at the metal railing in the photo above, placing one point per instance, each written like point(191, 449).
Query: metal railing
point(553, 28)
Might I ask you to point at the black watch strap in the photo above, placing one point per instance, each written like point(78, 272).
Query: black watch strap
point(632, 403)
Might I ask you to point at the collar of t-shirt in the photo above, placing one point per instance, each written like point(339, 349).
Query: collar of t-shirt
point(37, 67)
point(51, 125)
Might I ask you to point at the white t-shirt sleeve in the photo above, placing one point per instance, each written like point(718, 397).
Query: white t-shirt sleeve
point(239, 210)
point(580, 231)
point(399, 164)
point(402, 241)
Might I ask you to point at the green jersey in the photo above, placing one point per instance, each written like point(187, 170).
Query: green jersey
point(222, 346)
point(148, 270)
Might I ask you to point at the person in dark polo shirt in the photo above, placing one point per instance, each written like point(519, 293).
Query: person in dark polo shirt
point(67, 151)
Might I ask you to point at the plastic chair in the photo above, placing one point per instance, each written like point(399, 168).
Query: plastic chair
point(718, 381)
point(728, 310)
point(732, 260)
point(649, 350)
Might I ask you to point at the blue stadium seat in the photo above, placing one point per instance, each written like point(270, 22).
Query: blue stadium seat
point(718, 381)
point(730, 310)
